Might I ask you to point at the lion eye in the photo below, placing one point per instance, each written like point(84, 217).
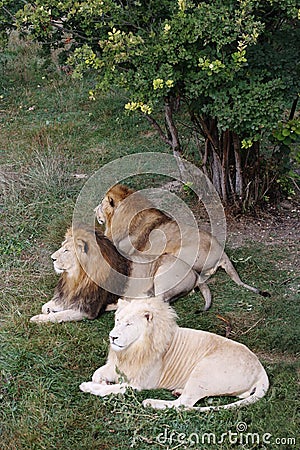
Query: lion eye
point(129, 324)
point(111, 202)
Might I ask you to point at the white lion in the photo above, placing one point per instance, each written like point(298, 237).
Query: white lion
point(149, 351)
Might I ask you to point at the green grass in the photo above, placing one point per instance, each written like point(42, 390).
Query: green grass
point(41, 406)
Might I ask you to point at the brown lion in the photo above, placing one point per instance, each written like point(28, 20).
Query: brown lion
point(134, 224)
point(80, 262)
point(94, 275)
point(149, 351)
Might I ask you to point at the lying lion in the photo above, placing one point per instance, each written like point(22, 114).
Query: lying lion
point(149, 351)
point(78, 261)
point(131, 222)
point(93, 275)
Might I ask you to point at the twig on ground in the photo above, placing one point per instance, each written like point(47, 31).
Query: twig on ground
point(252, 326)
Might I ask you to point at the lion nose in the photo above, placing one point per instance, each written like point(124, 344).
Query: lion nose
point(113, 338)
point(53, 259)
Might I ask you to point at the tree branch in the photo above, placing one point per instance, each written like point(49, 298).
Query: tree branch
point(293, 109)
point(9, 13)
point(58, 24)
point(208, 134)
point(158, 128)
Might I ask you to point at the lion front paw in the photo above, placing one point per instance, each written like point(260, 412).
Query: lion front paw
point(40, 318)
point(98, 389)
point(149, 402)
point(87, 386)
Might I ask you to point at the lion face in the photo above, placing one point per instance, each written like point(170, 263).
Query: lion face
point(131, 325)
point(100, 216)
point(70, 256)
point(64, 258)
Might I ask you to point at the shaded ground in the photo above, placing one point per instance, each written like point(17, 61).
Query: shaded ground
point(276, 226)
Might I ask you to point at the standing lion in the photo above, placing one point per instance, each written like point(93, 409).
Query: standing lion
point(136, 226)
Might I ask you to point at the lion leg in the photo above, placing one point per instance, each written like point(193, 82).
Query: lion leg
point(105, 374)
point(184, 399)
point(196, 388)
point(173, 278)
point(206, 380)
point(205, 291)
point(102, 389)
point(68, 315)
point(177, 392)
point(51, 307)
point(188, 396)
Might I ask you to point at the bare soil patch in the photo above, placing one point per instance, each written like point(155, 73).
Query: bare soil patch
point(273, 227)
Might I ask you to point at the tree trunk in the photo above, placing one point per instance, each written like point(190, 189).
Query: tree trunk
point(222, 160)
point(216, 169)
point(170, 126)
point(238, 167)
point(226, 147)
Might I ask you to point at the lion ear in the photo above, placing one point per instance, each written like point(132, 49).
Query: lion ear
point(82, 245)
point(149, 316)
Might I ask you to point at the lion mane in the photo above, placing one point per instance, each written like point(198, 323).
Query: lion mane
point(87, 261)
point(149, 351)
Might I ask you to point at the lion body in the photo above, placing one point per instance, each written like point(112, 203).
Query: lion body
point(149, 351)
point(134, 225)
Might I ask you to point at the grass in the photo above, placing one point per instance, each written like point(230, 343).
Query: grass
point(50, 131)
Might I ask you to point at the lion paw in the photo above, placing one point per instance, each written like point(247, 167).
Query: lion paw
point(98, 389)
point(158, 404)
point(148, 402)
point(86, 386)
point(40, 318)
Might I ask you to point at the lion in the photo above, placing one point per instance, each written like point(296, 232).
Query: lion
point(131, 221)
point(148, 350)
point(94, 275)
point(79, 294)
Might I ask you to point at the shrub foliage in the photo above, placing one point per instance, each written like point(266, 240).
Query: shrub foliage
point(228, 69)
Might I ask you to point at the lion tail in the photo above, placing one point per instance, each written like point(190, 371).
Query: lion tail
point(259, 391)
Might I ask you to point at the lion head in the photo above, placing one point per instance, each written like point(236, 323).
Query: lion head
point(88, 264)
point(113, 197)
point(65, 258)
point(127, 214)
point(142, 327)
